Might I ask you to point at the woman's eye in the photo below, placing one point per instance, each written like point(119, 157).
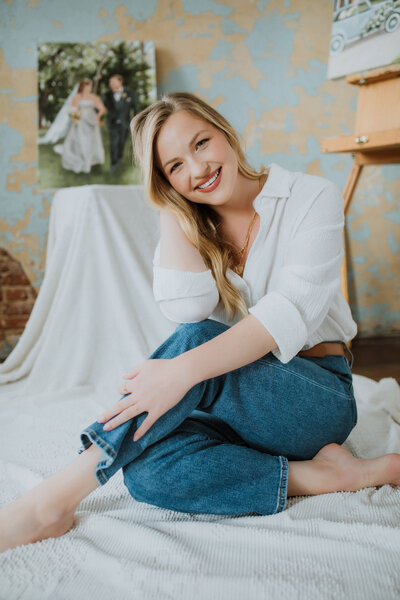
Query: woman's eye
point(201, 142)
point(174, 167)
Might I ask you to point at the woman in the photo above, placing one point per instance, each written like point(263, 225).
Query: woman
point(83, 146)
point(229, 418)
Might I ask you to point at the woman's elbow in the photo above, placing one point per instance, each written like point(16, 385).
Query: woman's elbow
point(185, 310)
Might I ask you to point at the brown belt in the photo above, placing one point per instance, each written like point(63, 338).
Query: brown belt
point(325, 348)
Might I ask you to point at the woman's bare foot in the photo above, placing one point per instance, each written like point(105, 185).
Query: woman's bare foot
point(335, 469)
point(48, 509)
point(26, 520)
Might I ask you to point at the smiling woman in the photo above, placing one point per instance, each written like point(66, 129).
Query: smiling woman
point(195, 169)
point(223, 417)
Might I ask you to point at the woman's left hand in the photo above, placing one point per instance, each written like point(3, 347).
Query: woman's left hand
point(154, 386)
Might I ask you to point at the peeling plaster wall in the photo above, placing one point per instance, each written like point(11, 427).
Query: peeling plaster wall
point(261, 63)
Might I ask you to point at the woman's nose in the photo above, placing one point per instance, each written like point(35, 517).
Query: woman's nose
point(199, 169)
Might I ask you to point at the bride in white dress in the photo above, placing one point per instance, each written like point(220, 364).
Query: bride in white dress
point(83, 146)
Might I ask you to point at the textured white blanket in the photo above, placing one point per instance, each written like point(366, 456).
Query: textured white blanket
point(94, 318)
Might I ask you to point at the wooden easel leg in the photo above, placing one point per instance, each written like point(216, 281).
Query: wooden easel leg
point(347, 195)
point(351, 183)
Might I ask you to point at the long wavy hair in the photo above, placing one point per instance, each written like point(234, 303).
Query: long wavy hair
point(200, 222)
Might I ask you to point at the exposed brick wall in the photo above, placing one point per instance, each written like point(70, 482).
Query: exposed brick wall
point(17, 297)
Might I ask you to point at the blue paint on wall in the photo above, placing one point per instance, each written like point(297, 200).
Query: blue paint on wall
point(222, 49)
point(361, 234)
point(374, 270)
point(262, 4)
point(393, 215)
point(289, 124)
point(239, 98)
point(368, 291)
point(229, 27)
point(183, 79)
point(359, 259)
point(392, 243)
point(196, 8)
point(14, 141)
point(292, 16)
point(391, 173)
point(18, 18)
point(379, 312)
point(328, 99)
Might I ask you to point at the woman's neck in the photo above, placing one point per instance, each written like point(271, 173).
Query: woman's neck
point(241, 205)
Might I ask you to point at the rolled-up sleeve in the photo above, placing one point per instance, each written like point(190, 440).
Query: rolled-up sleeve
point(183, 296)
point(309, 276)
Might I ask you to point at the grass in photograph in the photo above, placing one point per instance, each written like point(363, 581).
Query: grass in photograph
point(53, 176)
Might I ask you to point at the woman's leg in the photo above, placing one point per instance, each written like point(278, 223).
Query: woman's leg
point(47, 510)
point(286, 412)
point(258, 425)
point(194, 469)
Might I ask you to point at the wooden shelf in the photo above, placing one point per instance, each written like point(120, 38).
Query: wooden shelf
point(376, 140)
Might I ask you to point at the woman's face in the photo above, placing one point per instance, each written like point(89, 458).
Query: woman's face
point(87, 88)
point(197, 159)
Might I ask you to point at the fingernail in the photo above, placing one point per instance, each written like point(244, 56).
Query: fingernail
point(100, 419)
point(106, 426)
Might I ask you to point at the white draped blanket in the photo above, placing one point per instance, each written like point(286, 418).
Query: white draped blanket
point(94, 318)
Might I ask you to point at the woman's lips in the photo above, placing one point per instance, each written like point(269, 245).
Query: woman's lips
point(214, 184)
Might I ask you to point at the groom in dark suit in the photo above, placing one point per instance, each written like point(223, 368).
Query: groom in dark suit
point(120, 103)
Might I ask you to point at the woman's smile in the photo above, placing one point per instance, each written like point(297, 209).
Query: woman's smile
point(209, 184)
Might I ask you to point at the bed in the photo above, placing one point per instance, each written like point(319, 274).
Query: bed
point(94, 318)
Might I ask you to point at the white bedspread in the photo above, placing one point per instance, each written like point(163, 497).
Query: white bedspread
point(94, 318)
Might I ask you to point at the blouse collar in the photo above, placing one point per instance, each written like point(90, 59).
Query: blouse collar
point(278, 183)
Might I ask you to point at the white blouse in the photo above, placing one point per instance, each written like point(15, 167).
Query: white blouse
point(292, 277)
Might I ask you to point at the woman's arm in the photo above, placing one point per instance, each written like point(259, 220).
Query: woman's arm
point(156, 385)
point(176, 252)
point(100, 106)
point(183, 287)
point(239, 345)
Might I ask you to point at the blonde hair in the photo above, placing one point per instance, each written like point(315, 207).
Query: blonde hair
point(199, 222)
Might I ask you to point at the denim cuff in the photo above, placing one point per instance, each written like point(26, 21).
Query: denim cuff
point(282, 495)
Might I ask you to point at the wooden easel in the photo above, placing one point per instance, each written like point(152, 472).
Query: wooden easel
point(377, 133)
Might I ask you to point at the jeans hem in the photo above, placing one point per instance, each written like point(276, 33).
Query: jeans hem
point(89, 437)
point(282, 494)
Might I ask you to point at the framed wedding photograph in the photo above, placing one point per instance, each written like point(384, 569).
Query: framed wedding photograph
point(87, 96)
point(365, 34)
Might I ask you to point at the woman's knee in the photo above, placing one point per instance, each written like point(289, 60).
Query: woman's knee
point(149, 478)
point(201, 331)
point(187, 336)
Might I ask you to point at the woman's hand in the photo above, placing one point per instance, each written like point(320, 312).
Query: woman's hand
point(154, 386)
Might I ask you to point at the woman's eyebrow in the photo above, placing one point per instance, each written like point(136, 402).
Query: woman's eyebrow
point(190, 143)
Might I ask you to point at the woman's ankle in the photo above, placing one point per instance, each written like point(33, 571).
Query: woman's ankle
point(335, 469)
point(61, 493)
point(309, 477)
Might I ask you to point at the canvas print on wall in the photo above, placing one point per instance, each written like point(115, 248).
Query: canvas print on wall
point(88, 94)
point(365, 34)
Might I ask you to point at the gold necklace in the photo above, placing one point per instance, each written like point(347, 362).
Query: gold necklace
point(240, 267)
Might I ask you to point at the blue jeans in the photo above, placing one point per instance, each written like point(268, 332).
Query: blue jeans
point(224, 448)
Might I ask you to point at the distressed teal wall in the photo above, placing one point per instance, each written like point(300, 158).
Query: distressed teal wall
point(261, 63)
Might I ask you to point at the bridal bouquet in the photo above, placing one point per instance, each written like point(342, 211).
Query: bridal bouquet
point(74, 113)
